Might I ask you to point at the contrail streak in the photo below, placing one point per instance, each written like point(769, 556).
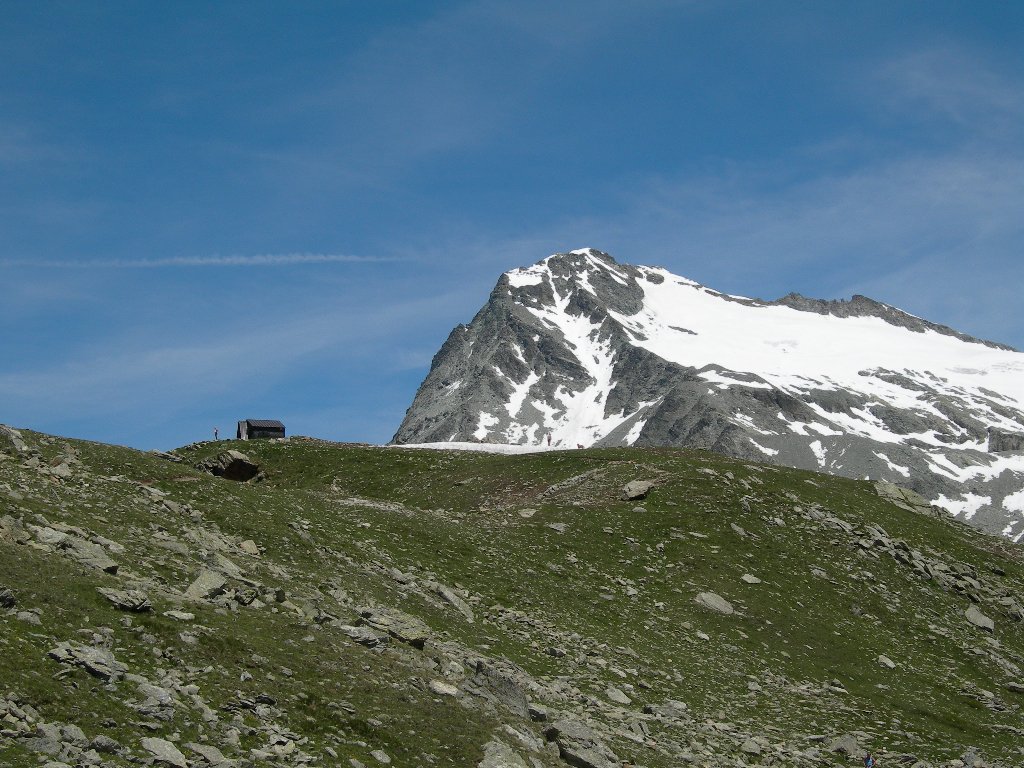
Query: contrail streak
point(260, 260)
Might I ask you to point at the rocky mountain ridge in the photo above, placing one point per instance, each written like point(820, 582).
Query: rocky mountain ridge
point(579, 350)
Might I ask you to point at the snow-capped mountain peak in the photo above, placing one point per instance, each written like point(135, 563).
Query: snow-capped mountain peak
point(578, 350)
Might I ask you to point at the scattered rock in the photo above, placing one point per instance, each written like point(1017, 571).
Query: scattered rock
point(750, 747)
point(11, 440)
point(250, 547)
point(104, 744)
point(401, 626)
point(127, 599)
point(578, 745)
point(538, 712)
point(363, 635)
point(207, 585)
point(618, 697)
point(231, 465)
point(90, 554)
point(210, 754)
point(750, 579)
point(498, 754)
point(7, 598)
point(164, 752)
point(443, 689)
point(497, 687)
point(715, 603)
point(846, 745)
point(979, 619)
point(885, 661)
point(636, 489)
point(451, 597)
point(98, 662)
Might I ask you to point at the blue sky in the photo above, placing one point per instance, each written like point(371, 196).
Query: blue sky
point(212, 211)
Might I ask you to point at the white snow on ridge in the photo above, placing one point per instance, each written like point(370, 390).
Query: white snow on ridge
point(477, 447)
point(793, 350)
point(524, 276)
point(967, 505)
point(763, 449)
point(484, 424)
point(819, 452)
point(1014, 502)
point(519, 393)
point(905, 471)
point(786, 346)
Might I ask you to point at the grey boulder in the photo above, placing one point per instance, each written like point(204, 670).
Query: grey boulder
point(127, 599)
point(578, 745)
point(636, 489)
point(231, 465)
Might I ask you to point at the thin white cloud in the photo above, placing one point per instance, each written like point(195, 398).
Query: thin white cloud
point(260, 260)
point(950, 82)
point(168, 377)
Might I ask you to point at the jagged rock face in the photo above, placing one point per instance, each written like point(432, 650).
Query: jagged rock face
point(579, 350)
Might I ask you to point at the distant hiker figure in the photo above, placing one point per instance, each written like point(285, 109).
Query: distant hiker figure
point(549, 439)
point(216, 433)
point(869, 761)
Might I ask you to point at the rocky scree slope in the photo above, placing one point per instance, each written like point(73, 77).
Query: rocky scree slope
point(586, 352)
point(360, 606)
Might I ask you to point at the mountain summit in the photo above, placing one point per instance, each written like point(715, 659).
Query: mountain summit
point(578, 350)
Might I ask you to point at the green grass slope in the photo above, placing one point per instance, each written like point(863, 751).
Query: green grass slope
point(558, 622)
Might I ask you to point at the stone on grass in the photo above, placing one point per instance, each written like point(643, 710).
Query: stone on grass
point(846, 745)
point(90, 554)
point(98, 662)
point(231, 465)
point(105, 744)
point(250, 547)
point(207, 585)
point(442, 688)
point(164, 753)
point(401, 626)
point(11, 440)
point(578, 745)
point(498, 754)
point(451, 597)
point(127, 599)
point(617, 697)
point(363, 635)
point(636, 489)
point(499, 689)
point(979, 619)
point(750, 747)
point(715, 603)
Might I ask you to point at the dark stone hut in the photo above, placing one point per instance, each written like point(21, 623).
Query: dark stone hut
point(252, 429)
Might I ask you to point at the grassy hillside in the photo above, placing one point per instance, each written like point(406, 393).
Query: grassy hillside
point(558, 622)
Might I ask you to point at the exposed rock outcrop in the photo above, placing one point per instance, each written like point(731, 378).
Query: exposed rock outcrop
point(231, 465)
